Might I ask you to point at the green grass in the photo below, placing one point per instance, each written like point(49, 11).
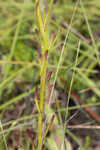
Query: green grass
point(67, 35)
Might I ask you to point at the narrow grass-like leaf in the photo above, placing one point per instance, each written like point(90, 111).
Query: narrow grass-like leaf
point(47, 19)
point(4, 139)
point(12, 101)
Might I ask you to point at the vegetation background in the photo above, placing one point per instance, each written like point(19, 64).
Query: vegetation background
point(49, 50)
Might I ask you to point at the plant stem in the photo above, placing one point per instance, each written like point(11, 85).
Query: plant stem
point(42, 96)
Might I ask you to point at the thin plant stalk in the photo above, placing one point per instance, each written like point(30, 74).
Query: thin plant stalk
point(43, 23)
point(42, 94)
point(44, 51)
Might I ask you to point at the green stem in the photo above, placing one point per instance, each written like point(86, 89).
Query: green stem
point(42, 96)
